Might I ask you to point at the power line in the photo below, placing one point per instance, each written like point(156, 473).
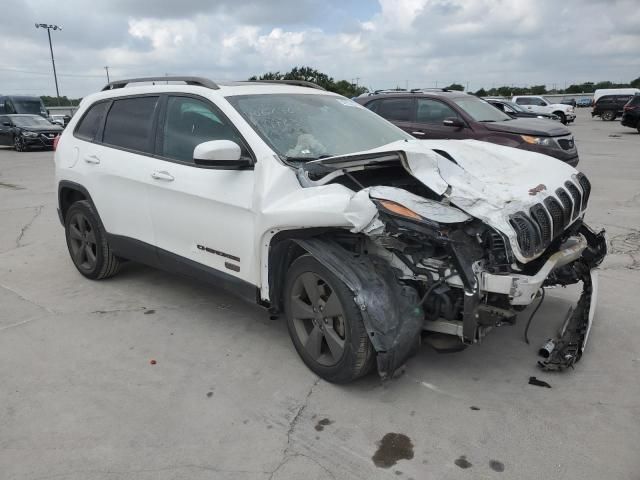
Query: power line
point(80, 75)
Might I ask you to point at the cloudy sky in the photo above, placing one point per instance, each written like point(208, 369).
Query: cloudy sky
point(384, 43)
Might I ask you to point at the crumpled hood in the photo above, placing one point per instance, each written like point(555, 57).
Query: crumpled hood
point(487, 181)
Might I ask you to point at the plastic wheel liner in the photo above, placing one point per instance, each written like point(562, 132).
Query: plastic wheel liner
point(389, 310)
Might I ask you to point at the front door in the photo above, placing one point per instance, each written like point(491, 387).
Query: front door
point(430, 115)
point(5, 131)
point(200, 214)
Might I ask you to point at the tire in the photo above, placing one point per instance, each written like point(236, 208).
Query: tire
point(318, 339)
point(87, 243)
point(563, 117)
point(608, 115)
point(18, 144)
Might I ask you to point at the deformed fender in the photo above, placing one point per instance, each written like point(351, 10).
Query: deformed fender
point(389, 310)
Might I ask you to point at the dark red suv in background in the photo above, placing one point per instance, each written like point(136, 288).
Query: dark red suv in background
point(438, 114)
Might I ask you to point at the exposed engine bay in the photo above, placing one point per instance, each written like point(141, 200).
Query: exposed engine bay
point(433, 254)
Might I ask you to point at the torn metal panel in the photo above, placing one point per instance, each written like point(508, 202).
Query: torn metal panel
point(389, 310)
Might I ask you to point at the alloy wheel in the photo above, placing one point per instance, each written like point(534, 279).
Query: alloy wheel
point(82, 239)
point(18, 144)
point(318, 319)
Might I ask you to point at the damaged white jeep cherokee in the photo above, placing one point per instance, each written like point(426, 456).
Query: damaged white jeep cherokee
point(367, 239)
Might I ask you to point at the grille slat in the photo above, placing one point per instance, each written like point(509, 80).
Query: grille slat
point(576, 196)
point(540, 216)
point(526, 232)
point(557, 215)
point(586, 188)
point(567, 204)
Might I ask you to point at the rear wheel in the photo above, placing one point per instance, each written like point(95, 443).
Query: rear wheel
point(87, 243)
point(608, 115)
point(325, 324)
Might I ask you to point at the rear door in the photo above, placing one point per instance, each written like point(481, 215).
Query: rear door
point(200, 214)
point(399, 111)
point(115, 159)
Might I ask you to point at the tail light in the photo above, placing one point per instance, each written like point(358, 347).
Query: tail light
point(627, 108)
point(55, 142)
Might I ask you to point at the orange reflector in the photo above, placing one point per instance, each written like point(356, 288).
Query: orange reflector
point(399, 209)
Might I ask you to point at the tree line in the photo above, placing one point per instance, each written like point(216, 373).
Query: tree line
point(309, 74)
point(586, 87)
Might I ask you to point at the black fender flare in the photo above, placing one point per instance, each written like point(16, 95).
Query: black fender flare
point(390, 310)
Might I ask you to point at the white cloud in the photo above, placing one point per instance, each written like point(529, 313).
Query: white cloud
point(419, 42)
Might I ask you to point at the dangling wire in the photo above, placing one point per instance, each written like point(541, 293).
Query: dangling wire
point(535, 310)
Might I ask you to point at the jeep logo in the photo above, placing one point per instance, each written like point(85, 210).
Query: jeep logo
point(538, 189)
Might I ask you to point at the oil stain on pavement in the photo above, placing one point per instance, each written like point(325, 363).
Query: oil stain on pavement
point(393, 447)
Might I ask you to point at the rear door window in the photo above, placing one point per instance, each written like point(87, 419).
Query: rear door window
point(91, 121)
point(523, 101)
point(129, 124)
point(398, 109)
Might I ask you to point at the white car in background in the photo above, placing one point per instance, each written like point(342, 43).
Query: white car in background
point(537, 104)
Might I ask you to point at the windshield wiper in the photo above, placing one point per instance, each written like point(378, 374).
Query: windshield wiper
point(305, 159)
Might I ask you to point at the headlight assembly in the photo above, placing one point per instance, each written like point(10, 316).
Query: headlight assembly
point(26, 133)
point(544, 141)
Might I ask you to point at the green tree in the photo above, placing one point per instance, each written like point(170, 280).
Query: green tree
point(456, 86)
point(538, 89)
point(481, 93)
point(309, 74)
point(635, 83)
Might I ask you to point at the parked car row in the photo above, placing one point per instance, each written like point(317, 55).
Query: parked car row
point(24, 132)
point(444, 114)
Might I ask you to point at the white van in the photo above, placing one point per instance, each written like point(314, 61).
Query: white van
point(614, 91)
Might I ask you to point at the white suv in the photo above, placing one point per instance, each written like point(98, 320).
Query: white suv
point(367, 239)
point(537, 104)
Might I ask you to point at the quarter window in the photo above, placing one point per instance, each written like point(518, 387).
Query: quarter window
point(432, 111)
point(129, 123)
point(189, 122)
point(90, 123)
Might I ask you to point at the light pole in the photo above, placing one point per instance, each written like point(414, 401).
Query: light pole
point(53, 62)
point(107, 69)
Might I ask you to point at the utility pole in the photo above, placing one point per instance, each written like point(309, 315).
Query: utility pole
point(53, 62)
point(107, 70)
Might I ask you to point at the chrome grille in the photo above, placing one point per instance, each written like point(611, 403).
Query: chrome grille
point(548, 219)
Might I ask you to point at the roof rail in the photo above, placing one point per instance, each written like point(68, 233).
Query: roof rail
point(432, 89)
point(199, 81)
point(300, 83)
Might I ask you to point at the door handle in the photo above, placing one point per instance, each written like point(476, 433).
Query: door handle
point(418, 133)
point(92, 159)
point(165, 176)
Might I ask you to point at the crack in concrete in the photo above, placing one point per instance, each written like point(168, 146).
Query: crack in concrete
point(286, 454)
point(148, 470)
point(24, 229)
point(28, 300)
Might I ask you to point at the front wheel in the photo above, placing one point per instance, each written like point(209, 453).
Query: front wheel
point(562, 116)
point(325, 324)
point(608, 115)
point(18, 144)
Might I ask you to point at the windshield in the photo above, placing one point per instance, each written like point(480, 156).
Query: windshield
point(480, 110)
point(514, 106)
point(31, 106)
point(30, 121)
point(308, 126)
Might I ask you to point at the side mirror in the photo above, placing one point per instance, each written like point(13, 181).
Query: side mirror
point(6, 124)
point(220, 154)
point(453, 122)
